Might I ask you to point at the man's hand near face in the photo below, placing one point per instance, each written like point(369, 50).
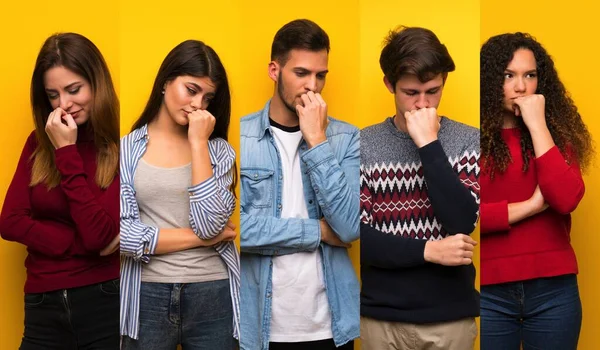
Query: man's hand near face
point(313, 118)
point(423, 125)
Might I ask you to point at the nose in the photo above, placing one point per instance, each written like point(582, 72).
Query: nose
point(65, 102)
point(311, 84)
point(422, 101)
point(520, 85)
point(197, 102)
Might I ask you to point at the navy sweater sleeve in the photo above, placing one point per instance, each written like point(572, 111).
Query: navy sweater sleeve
point(389, 251)
point(453, 203)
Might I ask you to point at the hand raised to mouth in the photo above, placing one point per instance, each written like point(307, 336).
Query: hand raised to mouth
point(61, 128)
point(313, 118)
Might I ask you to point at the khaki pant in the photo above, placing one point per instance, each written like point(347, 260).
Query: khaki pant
point(383, 335)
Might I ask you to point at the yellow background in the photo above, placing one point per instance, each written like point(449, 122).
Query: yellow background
point(569, 32)
point(24, 28)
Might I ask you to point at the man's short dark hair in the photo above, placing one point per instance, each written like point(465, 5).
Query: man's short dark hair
point(414, 50)
point(298, 34)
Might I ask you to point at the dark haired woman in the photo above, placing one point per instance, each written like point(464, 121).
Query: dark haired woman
point(180, 267)
point(533, 147)
point(63, 200)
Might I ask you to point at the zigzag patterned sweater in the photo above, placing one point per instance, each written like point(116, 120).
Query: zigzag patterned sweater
point(410, 196)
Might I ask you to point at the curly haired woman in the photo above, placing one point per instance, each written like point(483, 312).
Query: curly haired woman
point(534, 146)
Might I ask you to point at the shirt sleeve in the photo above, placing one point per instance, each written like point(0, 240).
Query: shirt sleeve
point(211, 202)
point(336, 185)
point(137, 239)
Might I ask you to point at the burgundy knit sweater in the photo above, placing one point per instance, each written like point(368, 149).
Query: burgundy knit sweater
point(66, 227)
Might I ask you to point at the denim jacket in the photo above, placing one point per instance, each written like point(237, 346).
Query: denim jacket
point(330, 176)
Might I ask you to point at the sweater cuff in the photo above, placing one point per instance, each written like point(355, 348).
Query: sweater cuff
point(494, 217)
point(68, 160)
point(432, 152)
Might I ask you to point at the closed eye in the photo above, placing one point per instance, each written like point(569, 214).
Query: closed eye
point(74, 91)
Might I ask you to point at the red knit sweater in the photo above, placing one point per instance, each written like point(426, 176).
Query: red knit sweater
point(538, 246)
point(65, 228)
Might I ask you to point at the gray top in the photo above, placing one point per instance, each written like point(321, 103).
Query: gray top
point(163, 200)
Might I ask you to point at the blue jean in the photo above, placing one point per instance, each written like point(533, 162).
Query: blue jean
point(543, 313)
point(196, 315)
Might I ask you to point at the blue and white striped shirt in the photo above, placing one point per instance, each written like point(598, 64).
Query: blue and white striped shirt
point(211, 205)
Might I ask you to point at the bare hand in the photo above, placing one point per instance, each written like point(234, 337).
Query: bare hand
point(329, 237)
point(61, 135)
point(532, 110)
point(200, 126)
point(537, 201)
point(112, 246)
point(313, 118)
point(228, 234)
point(230, 224)
point(453, 250)
point(423, 125)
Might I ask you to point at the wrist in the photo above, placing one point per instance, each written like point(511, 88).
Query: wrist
point(422, 142)
point(538, 124)
point(429, 251)
point(198, 143)
point(312, 141)
point(61, 145)
point(532, 207)
point(538, 131)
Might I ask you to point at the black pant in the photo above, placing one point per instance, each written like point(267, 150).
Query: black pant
point(77, 318)
point(326, 344)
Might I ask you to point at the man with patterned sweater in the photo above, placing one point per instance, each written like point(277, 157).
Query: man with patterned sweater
point(419, 201)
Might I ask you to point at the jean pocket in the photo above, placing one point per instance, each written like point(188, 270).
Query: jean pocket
point(257, 187)
point(110, 287)
point(34, 299)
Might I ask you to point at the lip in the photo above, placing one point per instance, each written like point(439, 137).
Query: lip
point(75, 114)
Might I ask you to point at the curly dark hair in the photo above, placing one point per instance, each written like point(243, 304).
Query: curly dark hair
point(564, 122)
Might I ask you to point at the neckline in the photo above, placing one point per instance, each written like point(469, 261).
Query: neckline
point(166, 168)
point(289, 129)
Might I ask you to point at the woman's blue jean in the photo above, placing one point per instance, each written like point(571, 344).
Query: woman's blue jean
point(543, 313)
point(199, 316)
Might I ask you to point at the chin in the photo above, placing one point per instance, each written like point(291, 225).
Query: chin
point(80, 121)
point(183, 121)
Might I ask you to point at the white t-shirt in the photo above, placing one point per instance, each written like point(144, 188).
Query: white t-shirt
point(300, 309)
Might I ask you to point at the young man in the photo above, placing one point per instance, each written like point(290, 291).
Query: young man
point(299, 207)
point(419, 201)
